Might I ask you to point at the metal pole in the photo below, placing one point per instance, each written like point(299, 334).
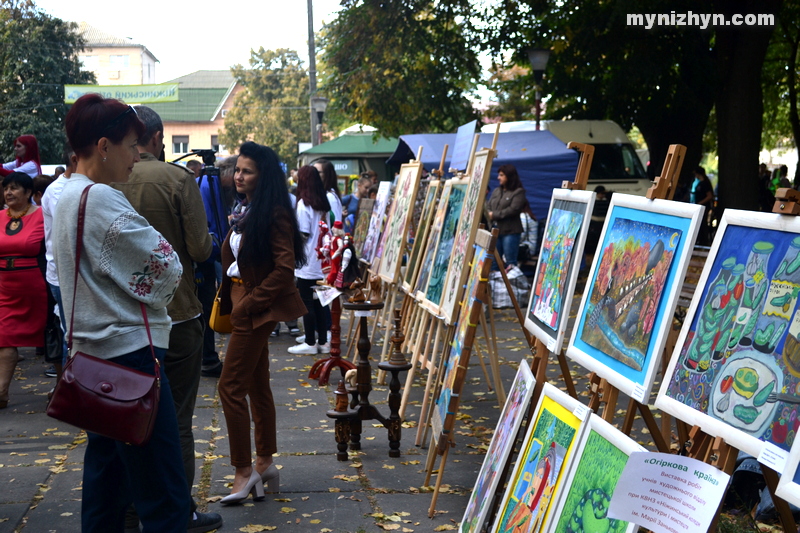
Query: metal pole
point(538, 105)
point(312, 73)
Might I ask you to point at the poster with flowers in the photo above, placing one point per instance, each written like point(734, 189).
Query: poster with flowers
point(396, 230)
point(633, 287)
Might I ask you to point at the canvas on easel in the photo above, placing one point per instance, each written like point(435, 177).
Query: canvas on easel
point(365, 206)
point(600, 457)
point(558, 265)
point(633, 287)
point(395, 233)
point(376, 222)
point(444, 413)
point(457, 270)
point(497, 454)
point(539, 471)
point(421, 236)
point(735, 371)
point(433, 275)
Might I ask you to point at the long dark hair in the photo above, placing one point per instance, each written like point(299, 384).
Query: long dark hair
point(512, 177)
point(311, 190)
point(330, 181)
point(270, 206)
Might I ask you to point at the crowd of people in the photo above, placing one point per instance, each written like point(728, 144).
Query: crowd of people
point(173, 238)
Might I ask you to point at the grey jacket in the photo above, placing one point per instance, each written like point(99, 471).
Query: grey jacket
point(506, 207)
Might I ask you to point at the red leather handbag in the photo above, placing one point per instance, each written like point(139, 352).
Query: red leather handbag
point(100, 396)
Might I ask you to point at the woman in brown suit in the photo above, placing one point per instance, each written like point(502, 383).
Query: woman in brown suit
point(504, 207)
point(259, 256)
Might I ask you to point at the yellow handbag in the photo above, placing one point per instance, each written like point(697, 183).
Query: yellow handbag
point(217, 321)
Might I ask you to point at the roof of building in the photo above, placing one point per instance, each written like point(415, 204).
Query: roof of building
point(97, 38)
point(355, 144)
point(201, 94)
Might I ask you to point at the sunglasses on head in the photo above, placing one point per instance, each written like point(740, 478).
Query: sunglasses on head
point(119, 119)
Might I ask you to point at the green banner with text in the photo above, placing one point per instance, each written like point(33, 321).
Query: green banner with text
point(130, 94)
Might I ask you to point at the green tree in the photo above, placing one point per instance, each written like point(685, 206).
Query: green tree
point(38, 56)
point(405, 66)
point(273, 107)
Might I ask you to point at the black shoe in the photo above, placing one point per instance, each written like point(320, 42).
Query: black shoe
point(202, 522)
point(275, 333)
point(50, 372)
point(213, 372)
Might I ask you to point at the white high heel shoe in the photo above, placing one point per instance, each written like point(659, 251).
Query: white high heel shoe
point(254, 485)
point(272, 477)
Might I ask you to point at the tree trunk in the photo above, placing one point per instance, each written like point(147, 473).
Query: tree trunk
point(740, 52)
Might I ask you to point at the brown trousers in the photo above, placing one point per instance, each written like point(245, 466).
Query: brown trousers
point(246, 373)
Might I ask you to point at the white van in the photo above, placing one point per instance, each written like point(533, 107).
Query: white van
point(616, 165)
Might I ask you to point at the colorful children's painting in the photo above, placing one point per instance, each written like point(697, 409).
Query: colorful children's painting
point(421, 235)
point(396, 230)
point(737, 362)
point(480, 502)
point(637, 274)
point(540, 467)
point(376, 221)
point(365, 206)
point(465, 235)
point(600, 458)
point(461, 347)
point(433, 241)
point(444, 248)
point(558, 265)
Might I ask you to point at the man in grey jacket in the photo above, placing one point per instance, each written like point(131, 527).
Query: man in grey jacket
point(168, 197)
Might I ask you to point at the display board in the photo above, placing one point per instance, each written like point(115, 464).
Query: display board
point(361, 228)
point(376, 222)
point(397, 222)
point(735, 371)
point(557, 269)
point(632, 290)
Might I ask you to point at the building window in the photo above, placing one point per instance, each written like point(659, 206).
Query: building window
point(215, 143)
point(119, 62)
point(180, 144)
point(90, 63)
point(224, 113)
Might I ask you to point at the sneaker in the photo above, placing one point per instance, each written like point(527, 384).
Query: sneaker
point(324, 348)
point(294, 332)
point(202, 522)
point(303, 349)
point(275, 333)
point(300, 340)
point(50, 372)
point(213, 372)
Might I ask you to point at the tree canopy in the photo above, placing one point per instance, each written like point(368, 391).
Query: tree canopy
point(405, 66)
point(38, 56)
point(273, 107)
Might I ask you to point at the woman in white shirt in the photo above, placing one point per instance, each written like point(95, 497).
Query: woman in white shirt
point(330, 182)
point(26, 152)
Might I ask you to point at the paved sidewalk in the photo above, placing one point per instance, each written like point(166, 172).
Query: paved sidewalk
point(41, 459)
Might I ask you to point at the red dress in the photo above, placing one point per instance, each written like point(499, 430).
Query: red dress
point(23, 293)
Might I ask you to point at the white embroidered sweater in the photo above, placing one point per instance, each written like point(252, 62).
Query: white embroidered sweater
point(124, 261)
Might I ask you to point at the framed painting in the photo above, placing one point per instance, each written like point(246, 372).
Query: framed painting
point(600, 457)
point(432, 240)
point(634, 282)
point(365, 206)
point(444, 248)
point(735, 371)
point(557, 269)
point(465, 234)
point(376, 222)
point(421, 235)
point(396, 231)
point(480, 502)
point(455, 370)
point(541, 465)
point(789, 484)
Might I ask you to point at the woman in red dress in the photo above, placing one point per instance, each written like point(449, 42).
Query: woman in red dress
point(23, 296)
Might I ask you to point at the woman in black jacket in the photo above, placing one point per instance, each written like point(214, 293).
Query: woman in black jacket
point(505, 206)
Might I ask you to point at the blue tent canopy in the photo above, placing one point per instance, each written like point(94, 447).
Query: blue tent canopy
point(542, 160)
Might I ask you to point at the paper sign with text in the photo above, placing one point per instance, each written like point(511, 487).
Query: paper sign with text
point(668, 493)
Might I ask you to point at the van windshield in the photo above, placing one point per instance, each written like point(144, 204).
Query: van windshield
point(616, 161)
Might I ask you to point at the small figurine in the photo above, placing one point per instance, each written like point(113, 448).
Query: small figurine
point(336, 252)
point(375, 289)
point(324, 245)
point(358, 293)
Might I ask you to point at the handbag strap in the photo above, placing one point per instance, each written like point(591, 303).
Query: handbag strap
point(78, 248)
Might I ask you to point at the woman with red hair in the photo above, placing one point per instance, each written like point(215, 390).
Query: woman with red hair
point(26, 151)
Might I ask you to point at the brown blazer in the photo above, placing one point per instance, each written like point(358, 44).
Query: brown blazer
point(271, 292)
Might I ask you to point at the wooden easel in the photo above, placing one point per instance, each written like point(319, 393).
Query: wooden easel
point(602, 392)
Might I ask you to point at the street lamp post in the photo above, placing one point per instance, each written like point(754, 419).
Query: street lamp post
point(538, 58)
point(319, 104)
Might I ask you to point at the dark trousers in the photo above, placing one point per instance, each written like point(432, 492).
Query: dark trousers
point(314, 321)
point(246, 375)
point(151, 476)
point(206, 292)
point(182, 366)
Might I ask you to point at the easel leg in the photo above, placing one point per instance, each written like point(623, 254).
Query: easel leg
point(439, 476)
point(785, 513)
point(432, 372)
point(562, 362)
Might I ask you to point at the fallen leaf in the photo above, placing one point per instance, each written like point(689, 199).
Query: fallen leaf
point(287, 510)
